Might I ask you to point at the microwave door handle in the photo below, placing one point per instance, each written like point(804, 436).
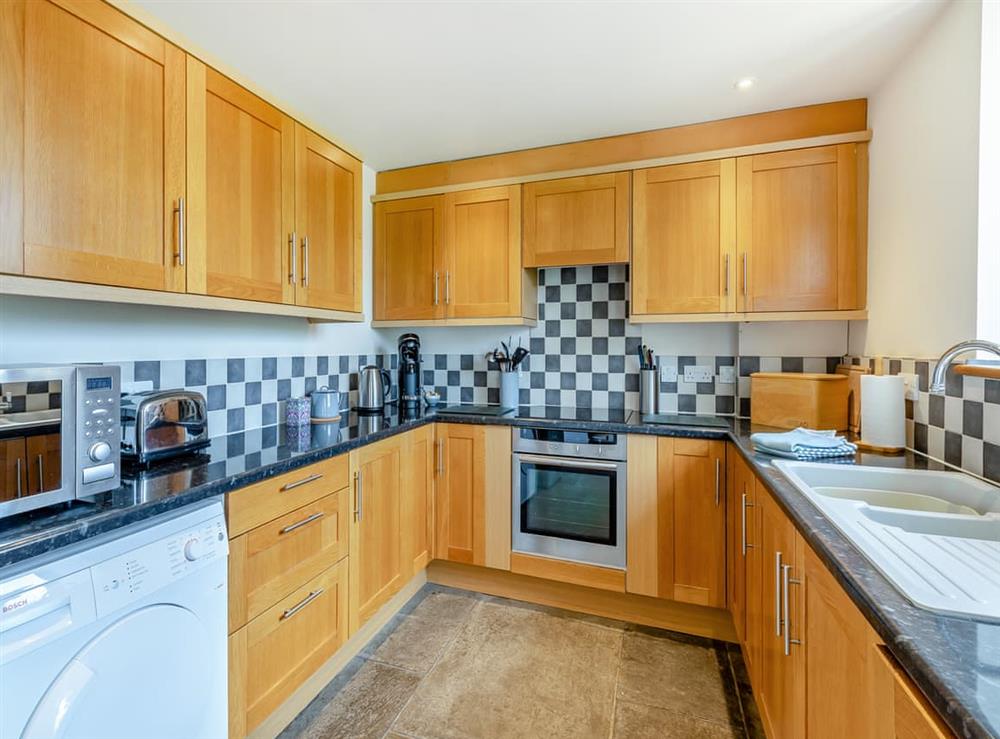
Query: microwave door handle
point(572, 463)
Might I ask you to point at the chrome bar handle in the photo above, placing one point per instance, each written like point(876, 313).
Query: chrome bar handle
point(292, 271)
point(181, 252)
point(440, 456)
point(718, 464)
point(437, 292)
point(305, 261)
point(17, 465)
point(447, 287)
point(359, 495)
point(41, 474)
point(298, 483)
point(727, 275)
point(744, 274)
point(778, 584)
point(786, 581)
point(743, 509)
point(299, 524)
point(302, 604)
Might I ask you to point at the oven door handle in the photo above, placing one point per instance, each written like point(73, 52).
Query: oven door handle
point(563, 462)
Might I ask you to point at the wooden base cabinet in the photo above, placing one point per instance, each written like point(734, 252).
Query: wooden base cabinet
point(676, 510)
point(273, 654)
point(417, 499)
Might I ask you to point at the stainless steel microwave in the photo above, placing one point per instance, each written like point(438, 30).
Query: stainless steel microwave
point(59, 435)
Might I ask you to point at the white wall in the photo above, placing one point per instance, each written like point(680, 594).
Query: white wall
point(42, 330)
point(923, 198)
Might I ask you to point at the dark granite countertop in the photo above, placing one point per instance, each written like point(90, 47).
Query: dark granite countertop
point(955, 661)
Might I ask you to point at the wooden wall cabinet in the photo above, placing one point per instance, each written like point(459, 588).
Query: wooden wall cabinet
point(377, 566)
point(452, 257)
point(684, 243)
point(92, 158)
point(577, 220)
point(472, 494)
point(676, 510)
point(801, 229)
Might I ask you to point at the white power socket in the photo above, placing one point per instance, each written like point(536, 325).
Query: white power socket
point(911, 386)
point(668, 373)
point(698, 373)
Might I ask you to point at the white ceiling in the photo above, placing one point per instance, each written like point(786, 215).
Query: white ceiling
point(406, 83)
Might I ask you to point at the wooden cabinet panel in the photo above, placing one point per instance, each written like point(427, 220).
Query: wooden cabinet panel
point(13, 469)
point(677, 519)
point(43, 456)
point(376, 554)
point(273, 654)
point(842, 697)
point(683, 248)
point(240, 174)
point(265, 501)
point(482, 274)
point(409, 243)
point(460, 523)
point(798, 230)
point(781, 687)
point(102, 133)
point(577, 220)
point(267, 563)
point(739, 547)
point(417, 503)
point(327, 223)
point(904, 712)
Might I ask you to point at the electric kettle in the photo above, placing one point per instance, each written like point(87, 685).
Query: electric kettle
point(373, 389)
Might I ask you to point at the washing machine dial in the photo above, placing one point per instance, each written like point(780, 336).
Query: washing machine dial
point(193, 549)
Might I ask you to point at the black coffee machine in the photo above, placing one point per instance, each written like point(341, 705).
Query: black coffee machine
point(409, 370)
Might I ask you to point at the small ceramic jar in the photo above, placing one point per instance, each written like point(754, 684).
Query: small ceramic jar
point(325, 403)
point(297, 411)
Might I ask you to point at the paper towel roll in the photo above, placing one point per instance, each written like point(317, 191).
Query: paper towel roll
point(883, 411)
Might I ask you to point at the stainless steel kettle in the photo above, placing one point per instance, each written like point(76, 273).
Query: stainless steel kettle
point(373, 388)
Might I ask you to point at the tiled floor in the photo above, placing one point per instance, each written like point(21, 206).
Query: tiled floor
point(464, 665)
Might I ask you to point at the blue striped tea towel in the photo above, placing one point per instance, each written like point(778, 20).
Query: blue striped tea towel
point(803, 444)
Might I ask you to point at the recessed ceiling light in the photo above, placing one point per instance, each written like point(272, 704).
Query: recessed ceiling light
point(745, 83)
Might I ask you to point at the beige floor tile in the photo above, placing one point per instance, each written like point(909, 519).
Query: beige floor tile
point(674, 675)
point(451, 607)
point(516, 672)
point(416, 643)
point(365, 707)
point(635, 721)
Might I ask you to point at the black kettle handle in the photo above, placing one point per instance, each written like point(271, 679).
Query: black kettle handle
point(388, 383)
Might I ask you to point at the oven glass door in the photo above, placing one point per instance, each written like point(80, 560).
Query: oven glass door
point(570, 508)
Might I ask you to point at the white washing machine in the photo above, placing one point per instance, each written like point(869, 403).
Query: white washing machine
point(120, 637)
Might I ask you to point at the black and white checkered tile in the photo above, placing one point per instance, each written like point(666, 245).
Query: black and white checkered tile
point(31, 396)
point(249, 392)
point(961, 427)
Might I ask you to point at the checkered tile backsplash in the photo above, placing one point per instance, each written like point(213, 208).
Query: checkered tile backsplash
point(961, 427)
point(32, 396)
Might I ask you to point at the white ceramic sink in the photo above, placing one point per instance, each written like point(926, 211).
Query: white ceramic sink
point(935, 535)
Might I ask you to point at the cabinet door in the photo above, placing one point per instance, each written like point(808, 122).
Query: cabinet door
point(44, 462)
point(408, 259)
point(753, 570)
point(903, 711)
point(577, 220)
point(842, 697)
point(13, 469)
point(781, 686)
point(376, 561)
point(739, 493)
point(327, 223)
point(461, 528)
point(482, 273)
point(683, 246)
point(797, 228)
point(100, 115)
point(240, 174)
point(417, 504)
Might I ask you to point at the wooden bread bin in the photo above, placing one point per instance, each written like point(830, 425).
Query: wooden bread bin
point(793, 399)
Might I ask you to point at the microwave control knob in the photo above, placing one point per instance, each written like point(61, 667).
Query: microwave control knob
point(193, 549)
point(99, 451)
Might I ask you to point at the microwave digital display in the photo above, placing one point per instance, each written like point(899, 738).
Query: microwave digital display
point(98, 383)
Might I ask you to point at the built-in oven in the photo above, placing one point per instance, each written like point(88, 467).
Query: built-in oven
point(568, 496)
point(59, 434)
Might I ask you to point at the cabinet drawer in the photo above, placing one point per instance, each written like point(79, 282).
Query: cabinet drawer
point(272, 560)
point(286, 644)
point(258, 504)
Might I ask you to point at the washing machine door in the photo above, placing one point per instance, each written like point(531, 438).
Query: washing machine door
point(145, 676)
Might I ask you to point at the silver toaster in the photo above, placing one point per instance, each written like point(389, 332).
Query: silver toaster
point(162, 423)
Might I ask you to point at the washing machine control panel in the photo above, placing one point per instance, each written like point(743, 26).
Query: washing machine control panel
point(121, 580)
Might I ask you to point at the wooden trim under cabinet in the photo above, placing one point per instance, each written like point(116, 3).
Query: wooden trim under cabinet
point(603, 578)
